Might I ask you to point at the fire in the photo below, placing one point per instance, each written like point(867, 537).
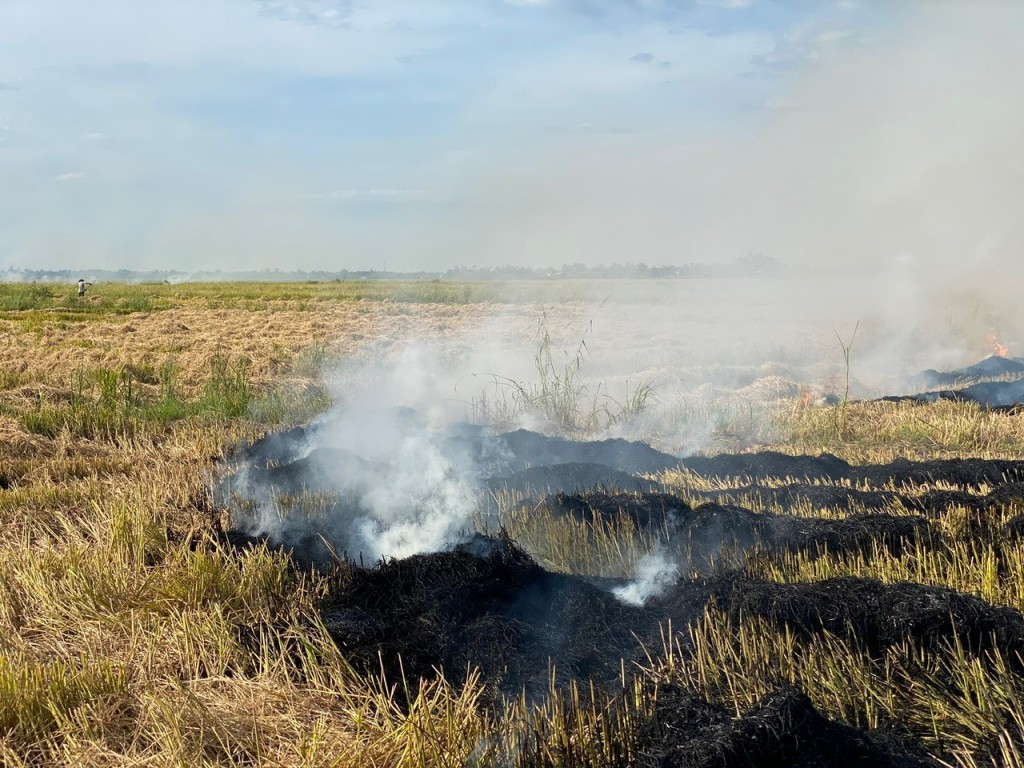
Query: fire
point(995, 343)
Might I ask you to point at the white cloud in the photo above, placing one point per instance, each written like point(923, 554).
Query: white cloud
point(70, 176)
point(96, 136)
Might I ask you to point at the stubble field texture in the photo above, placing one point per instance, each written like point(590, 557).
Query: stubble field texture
point(133, 633)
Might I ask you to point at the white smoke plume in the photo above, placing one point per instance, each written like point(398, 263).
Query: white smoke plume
point(656, 572)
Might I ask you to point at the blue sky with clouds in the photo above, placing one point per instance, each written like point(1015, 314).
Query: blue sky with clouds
point(357, 133)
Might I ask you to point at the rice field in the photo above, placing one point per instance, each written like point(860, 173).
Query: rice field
point(131, 633)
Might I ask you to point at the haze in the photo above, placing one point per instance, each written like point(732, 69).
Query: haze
point(332, 134)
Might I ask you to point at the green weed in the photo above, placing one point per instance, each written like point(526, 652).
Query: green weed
point(559, 398)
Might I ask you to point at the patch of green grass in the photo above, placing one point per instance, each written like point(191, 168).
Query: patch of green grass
point(115, 403)
point(227, 392)
point(19, 297)
point(104, 299)
point(288, 405)
point(137, 303)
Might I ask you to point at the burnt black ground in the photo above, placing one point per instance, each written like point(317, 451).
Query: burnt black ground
point(763, 465)
point(488, 604)
point(994, 395)
point(524, 449)
point(523, 459)
point(782, 730)
point(803, 494)
point(878, 616)
point(696, 535)
point(274, 448)
point(989, 368)
point(995, 383)
point(572, 477)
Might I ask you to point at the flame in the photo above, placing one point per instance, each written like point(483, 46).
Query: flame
point(995, 343)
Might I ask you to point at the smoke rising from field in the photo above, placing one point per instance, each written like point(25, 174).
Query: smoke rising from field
point(656, 572)
point(889, 169)
point(886, 179)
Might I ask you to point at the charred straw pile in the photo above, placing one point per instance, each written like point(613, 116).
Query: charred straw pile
point(495, 601)
point(997, 382)
point(489, 605)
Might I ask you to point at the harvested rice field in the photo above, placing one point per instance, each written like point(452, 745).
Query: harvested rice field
point(544, 524)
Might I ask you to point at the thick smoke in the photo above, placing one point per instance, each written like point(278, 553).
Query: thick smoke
point(373, 476)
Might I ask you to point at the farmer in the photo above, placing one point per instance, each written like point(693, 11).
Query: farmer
point(82, 285)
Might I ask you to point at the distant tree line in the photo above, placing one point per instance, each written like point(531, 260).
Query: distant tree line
point(747, 266)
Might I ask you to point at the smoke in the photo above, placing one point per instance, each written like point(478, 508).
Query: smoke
point(656, 573)
point(903, 147)
point(421, 503)
point(873, 151)
point(887, 176)
point(395, 485)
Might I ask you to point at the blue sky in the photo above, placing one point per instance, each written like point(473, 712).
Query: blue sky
point(328, 134)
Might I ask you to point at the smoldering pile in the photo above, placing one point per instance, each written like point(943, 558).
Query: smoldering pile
point(489, 605)
point(997, 383)
point(323, 503)
point(423, 490)
point(482, 600)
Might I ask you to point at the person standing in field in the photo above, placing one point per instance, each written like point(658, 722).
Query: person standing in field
point(82, 285)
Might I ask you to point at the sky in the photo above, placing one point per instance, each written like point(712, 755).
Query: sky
point(366, 134)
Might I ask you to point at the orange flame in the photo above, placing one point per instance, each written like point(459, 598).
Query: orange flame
point(995, 343)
